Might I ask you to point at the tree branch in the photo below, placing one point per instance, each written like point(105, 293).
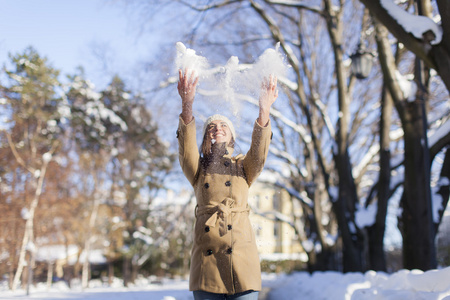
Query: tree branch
point(208, 7)
point(412, 43)
point(438, 144)
point(444, 10)
point(277, 35)
point(289, 3)
point(388, 66)
point(17, 155)
point(444, 186)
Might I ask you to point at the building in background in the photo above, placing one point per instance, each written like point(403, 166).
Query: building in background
point(276, 240)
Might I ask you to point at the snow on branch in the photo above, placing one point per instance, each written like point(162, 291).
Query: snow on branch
point(367, 159)
point(294, 193)
point(284, 154)
point(296, 127)
point(418, 26)
point(274, 216)
point(322, 109)
point(439, 133)
point(17, 155)
point(276, 33)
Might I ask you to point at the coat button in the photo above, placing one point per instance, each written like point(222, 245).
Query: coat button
point(206, 185)
point(226, 163)
point(209, 252)
point(229, 250)
point(230, 227)
point(207, 228)
point(228, 183)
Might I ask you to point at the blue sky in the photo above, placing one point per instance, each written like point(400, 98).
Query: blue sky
point(67, 31)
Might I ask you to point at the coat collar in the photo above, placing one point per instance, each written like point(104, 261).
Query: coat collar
point(230, 151)
point(220, 150)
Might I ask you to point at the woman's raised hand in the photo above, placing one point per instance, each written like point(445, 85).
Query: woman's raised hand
point(187, 84)
point(186, 88)
point(269, 93)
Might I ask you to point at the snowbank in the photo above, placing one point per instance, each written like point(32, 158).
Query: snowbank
point(404, 284)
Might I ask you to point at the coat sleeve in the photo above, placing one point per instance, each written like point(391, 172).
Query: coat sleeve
point(255, 158)
point(187, 150)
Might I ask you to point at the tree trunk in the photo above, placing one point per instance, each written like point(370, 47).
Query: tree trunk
point(345, 204)
point(126, 271)
point(77, 266)
point(377, 258)
point(444, 186)
point(325, 259)
point(312, 262)
point(11, 276)
point(353, 242)
point(25, 274)
point(87, 249)
point(50, 275)
point(28, 235)
point(110, 272)
point(85, 274)
point(68, 275)
point(134, 271)
point(416, 223)
point(31, 266)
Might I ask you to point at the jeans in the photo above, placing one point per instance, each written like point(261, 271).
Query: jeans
point(248, 295)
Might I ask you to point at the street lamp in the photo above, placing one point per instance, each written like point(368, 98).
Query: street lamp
point(361, 62)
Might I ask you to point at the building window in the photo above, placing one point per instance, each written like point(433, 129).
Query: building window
point(276, 229)
point(258, 230)
point(256, 201)
point(276, 201)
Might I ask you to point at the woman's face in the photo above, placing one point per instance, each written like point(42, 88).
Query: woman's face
point(219, 132)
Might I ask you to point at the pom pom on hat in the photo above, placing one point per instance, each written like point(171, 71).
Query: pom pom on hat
point(221, 118)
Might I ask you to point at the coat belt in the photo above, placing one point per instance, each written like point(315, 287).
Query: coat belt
point(223, 211)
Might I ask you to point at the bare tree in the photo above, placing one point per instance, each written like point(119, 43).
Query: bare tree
point(329, 142)
point(315, 150)
point(416, 223)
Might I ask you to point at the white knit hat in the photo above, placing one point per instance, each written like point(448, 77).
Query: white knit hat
point(221, 118)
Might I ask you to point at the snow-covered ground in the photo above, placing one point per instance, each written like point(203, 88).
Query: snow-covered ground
point(143, 290)
point(411, 285)
point(404, 284)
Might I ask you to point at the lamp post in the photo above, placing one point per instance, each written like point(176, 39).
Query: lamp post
point(361, 62)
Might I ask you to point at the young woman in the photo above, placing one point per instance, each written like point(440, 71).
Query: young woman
point(225, 262)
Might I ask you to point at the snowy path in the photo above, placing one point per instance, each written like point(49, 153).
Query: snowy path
point(169, 290)
point(107, 295)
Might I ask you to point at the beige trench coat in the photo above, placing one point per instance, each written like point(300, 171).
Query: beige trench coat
point(224, 257)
